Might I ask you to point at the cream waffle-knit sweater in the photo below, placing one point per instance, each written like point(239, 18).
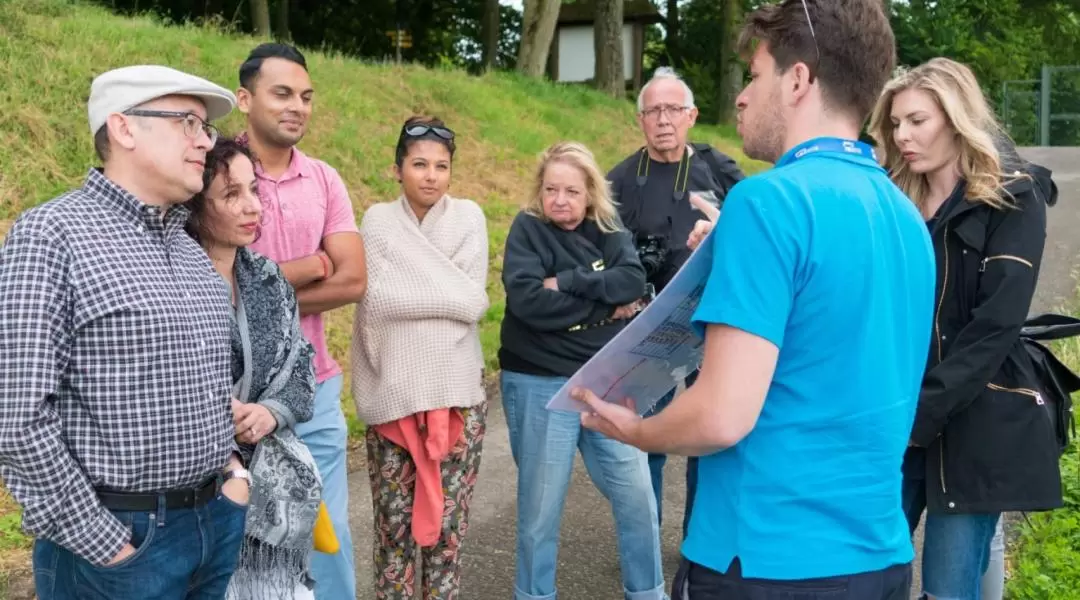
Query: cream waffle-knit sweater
point(416, 345)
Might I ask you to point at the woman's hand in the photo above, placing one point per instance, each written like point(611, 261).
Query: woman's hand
point(552, 284)
point(252, 421)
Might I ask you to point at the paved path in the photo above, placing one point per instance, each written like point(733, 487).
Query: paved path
point(588, 563)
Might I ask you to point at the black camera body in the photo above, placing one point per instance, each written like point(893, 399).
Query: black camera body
point(652, 251)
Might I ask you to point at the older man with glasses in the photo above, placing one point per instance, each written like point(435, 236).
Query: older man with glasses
point(653, 187)
point(116, 435)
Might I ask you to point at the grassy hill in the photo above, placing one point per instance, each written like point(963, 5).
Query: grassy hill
point(50, 50)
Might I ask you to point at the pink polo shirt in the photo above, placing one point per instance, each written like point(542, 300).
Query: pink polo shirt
point(306, 204)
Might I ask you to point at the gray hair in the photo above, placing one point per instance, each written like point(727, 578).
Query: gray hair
point(665, 73)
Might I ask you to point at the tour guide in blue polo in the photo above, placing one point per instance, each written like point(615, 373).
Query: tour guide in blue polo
point(816, 319)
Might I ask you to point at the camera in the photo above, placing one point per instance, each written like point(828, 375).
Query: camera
point(652, 251)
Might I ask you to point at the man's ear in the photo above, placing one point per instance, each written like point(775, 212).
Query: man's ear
point(799, 81)
point(243, 99)
point(120, 131)
point(693, 114)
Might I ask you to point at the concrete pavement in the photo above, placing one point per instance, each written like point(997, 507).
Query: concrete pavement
point(588, 566)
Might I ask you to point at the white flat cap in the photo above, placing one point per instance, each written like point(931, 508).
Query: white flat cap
point(120, 89)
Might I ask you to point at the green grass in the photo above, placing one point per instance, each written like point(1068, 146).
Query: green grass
point(50, 50)
point(1045, 558)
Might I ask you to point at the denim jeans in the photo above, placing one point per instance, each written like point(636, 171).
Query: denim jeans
point(695, 582)
point(187, 554)
point(957, 548)
point(657, 462)
point(543, 443)
point(326, 435)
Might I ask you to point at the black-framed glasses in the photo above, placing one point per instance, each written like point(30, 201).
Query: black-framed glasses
point(420, 130)
point(192, 122)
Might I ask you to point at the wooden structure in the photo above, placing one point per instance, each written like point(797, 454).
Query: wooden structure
point(573, 49)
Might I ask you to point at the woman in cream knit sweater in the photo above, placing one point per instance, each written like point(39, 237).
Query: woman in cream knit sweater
point(417, 367)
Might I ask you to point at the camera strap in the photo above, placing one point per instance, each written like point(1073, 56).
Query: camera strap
point(683, 173)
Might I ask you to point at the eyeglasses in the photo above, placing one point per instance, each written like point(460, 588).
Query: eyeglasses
point(654, 113)
point(813, 36)
point(192, 122)
point(419, 130)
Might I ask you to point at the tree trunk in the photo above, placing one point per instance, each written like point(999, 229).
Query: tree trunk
point(608, 48)
point(491, 34)
point(730, 72)
point(537, 31)
point(283, 33)
point(260, 18)
point(671, 35)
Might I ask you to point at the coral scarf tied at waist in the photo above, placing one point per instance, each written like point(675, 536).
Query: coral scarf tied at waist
point(428, 437)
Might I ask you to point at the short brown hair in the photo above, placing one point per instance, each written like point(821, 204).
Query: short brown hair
point(101, 143)
point(852, 50)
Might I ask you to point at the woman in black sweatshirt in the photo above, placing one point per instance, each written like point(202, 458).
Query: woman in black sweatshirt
point(572, 280)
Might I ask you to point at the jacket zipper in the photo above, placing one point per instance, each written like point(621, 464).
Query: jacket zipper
point(1025, 391)
point(1022, 261)
point(941, 300)
point(937, 332)
point(941, 450)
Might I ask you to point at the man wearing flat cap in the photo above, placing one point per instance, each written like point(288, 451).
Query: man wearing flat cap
point(116, 436)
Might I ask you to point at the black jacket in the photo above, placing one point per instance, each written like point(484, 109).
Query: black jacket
point(650, 204)
point(989, 444)
point(553, 333)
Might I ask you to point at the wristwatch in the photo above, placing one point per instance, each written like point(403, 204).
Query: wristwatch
point(238, 474)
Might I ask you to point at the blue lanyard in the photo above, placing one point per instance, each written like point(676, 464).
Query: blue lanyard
point(824, 144)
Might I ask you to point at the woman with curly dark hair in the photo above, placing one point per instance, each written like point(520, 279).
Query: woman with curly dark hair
point(274, 385)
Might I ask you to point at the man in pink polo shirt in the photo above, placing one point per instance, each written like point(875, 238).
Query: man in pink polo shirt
point(309, 229)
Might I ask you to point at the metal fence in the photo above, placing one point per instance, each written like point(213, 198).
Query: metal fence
point(1044, 111)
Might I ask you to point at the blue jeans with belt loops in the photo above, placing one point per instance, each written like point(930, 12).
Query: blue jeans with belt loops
point(180, 554)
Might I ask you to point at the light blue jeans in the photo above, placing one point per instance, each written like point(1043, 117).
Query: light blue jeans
point(326, 435)
point(543, 443)
point(956, 554)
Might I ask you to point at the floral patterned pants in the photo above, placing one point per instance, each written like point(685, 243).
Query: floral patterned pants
point(393, 479)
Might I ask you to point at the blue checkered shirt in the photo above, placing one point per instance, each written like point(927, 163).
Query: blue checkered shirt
point(114, 362)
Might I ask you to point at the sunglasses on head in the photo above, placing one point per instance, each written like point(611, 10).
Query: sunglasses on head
point(420, 130)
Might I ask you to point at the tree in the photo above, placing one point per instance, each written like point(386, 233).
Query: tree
point(730, 72)
point(260, 18)
point(282, 25)
point(671, 36)
point(608, 46)
point(537, 31)
point(490, 34)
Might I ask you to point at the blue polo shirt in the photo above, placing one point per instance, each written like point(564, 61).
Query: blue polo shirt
point(827, 259)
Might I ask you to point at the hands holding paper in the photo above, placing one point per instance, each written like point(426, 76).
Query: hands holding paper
point(619, 420)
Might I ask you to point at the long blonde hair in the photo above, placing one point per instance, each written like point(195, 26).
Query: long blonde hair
point(953, 86)
point(598, 203)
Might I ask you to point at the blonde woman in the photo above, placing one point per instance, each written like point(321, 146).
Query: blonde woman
point(418, 369)
point(981, 443)
point(572, 279)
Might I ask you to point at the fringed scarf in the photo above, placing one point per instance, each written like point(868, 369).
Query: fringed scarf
point(286, 488)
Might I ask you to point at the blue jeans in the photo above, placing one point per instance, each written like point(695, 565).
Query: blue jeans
point(543, 443)
point(187, 554)
point(695, 582)
point(956, 554)
point(957, 548)
point(657, 462)
point(326, 435)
